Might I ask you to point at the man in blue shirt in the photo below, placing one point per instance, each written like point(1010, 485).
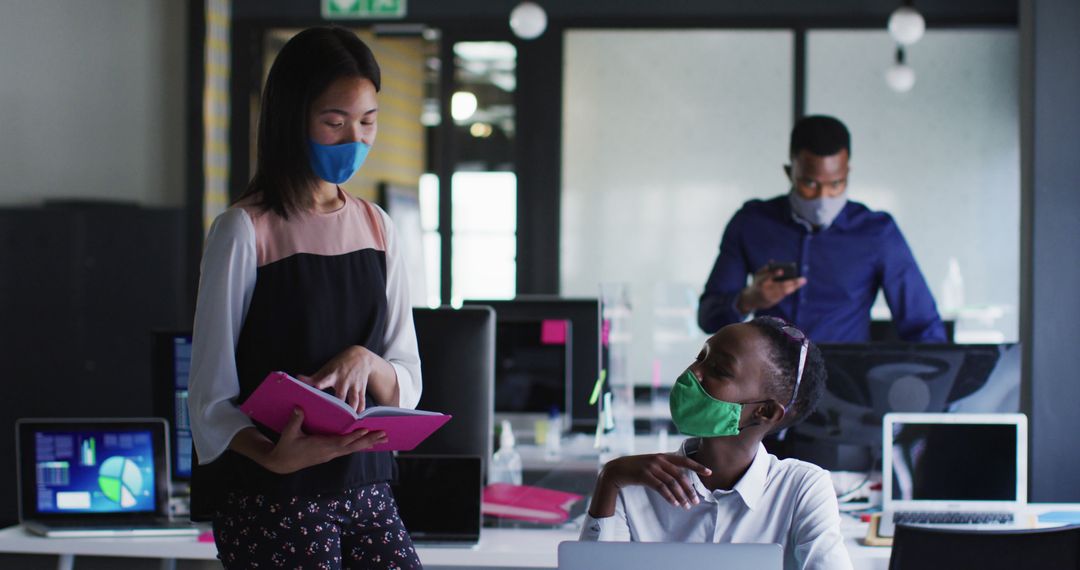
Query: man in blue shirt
point(843, 252)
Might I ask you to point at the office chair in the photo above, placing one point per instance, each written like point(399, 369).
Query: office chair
point(925, 548)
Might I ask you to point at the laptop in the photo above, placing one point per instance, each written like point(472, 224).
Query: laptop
point(650, 555)
point(962, 471)
point(95, 478)
point(438, 498)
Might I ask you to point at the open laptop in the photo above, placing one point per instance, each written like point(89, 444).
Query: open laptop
point(438, 498)
point(95, 477)
point(635, 555)
point(965, 471)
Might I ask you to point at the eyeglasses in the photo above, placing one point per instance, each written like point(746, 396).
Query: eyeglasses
point(797, 335)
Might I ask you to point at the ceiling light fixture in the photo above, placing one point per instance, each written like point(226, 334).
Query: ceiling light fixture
point(906, 25)
point(900, 76)
point(528, 20)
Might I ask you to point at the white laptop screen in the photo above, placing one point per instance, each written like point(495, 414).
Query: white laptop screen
point(954, 462)
point(111, 469)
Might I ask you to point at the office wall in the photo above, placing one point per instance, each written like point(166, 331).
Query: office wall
point(80, 290)
point(665, 134)
point(1051, 183)
point(943, 158)
point(92, 101)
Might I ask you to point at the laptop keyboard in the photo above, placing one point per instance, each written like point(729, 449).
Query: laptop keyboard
point(915, 517)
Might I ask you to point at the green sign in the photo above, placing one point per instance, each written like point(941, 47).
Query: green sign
point(362, 9)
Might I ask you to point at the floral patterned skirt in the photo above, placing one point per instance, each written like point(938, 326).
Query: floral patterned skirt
point(358, 528)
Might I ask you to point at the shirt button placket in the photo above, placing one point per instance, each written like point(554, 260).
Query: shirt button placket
point(716, 519)
point(804, 267)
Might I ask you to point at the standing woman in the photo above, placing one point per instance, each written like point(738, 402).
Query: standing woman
point(300, 276)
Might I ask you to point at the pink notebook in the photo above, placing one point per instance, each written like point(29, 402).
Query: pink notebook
point(272, 403)
point(527, 503)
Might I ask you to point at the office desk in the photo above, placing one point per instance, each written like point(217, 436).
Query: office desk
point(877, 557)
point(498, 548)
point(16, 540)
point(862, 557)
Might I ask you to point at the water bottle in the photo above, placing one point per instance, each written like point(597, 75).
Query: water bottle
point(506, 463)
point(952, 290)
point(552, 440)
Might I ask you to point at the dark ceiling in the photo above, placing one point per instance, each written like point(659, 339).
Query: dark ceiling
point(679, 13)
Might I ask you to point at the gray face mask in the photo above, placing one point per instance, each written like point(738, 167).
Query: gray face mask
point(819, 212)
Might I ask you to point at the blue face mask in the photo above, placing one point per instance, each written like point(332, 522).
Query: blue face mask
point(337, 163)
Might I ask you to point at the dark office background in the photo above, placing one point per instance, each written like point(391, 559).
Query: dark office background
point(81, 285)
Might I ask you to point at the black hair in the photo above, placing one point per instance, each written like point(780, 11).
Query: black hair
point(820, 135)
point(784, 357)
point(304, 68)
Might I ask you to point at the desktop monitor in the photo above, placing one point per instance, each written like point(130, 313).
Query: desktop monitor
point(866, 381)
point(457, 359)
point(532, 367)
point(171, 361)
point(583, 316)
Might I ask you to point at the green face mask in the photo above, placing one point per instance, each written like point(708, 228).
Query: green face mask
point(698, 414)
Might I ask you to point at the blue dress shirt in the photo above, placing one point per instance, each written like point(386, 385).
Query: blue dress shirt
point(844, 264)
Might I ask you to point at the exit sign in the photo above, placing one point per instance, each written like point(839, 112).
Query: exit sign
point(363, 9)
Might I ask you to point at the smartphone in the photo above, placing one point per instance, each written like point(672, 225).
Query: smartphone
point(788, 270)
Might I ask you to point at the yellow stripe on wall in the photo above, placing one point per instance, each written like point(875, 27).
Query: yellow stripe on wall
point(400, 148)
point(400, 143)
point(216, 111)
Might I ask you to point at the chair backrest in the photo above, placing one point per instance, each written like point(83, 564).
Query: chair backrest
point(925, 548)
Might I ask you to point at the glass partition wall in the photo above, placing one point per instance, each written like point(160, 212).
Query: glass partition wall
point(943, 159)
point(666, 133)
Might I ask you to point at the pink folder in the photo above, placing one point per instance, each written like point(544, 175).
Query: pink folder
point(272, 404)
point(527, 503)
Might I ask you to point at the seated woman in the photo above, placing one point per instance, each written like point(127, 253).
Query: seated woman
point(750, 379)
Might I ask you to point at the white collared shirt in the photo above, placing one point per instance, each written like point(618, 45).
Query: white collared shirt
point(786, 502)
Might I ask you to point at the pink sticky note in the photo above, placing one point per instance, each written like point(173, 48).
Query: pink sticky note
point(553, 331)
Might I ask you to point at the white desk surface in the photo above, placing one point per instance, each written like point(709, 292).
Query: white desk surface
point(508, 548)
point(16, 539)
point(517, 548)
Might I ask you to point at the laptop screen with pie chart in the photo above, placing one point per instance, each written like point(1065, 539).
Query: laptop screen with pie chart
point(92, 468)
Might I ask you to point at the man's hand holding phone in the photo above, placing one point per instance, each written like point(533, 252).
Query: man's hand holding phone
point(783, 271)
point(771, 285)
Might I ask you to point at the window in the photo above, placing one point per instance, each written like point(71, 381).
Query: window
point(485, 235)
